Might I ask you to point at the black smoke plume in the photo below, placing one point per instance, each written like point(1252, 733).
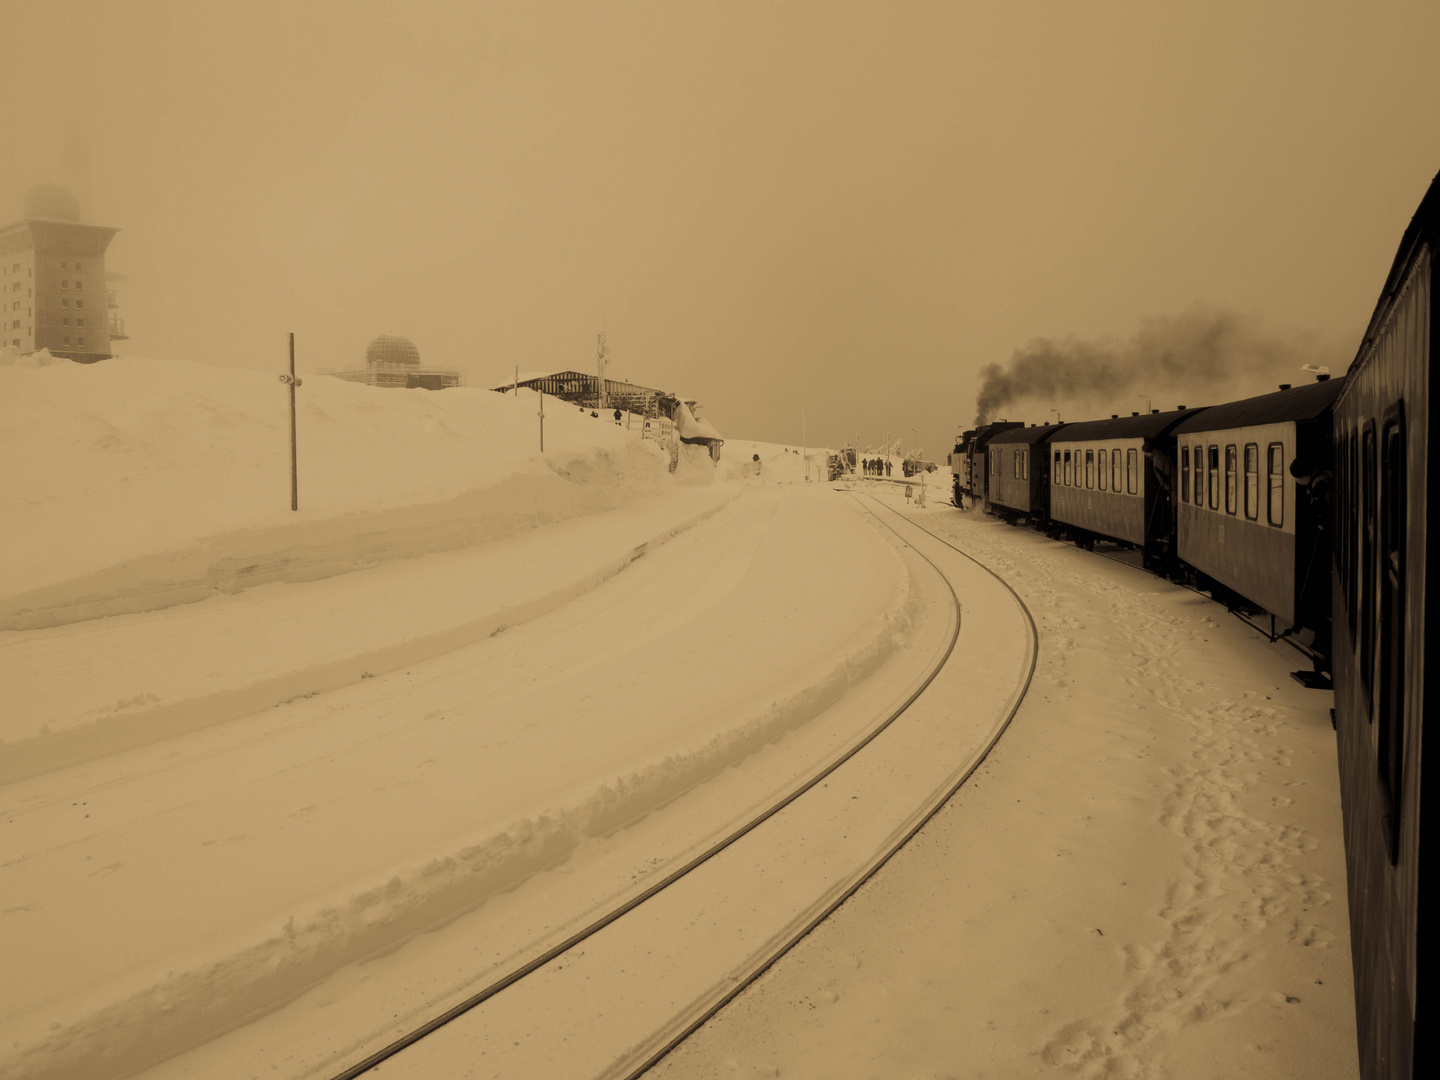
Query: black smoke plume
point(1201, 356)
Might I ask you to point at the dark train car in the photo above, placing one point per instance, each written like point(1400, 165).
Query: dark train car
point(1244, 519)
point(1382, 600)
point(1113, 479)
point(968, 462)
point(1019, 484)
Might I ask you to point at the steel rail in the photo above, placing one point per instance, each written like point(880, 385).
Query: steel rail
point(785, 947)
point(483, 995)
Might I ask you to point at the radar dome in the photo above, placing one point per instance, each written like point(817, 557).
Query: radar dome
point(50, 202)
point(392, 349)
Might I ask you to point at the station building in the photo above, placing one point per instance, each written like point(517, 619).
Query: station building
point(53, 292)
point(679, 415)
point(393, 361)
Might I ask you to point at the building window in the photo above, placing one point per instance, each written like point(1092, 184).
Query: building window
point(1213, 469)
point(64, 303)
point(64, 322)
point(64, 284)
point(1185, 474)
point(1101, 471)
point(81, 340)
point(1252, 481)
point(1275, 513)
point(79, 284)
point(1232, 468)
point(79, 303)
point(15, 325)
point(79, 267)
point(1132, 471)
point(79, 322)
point(66, 340)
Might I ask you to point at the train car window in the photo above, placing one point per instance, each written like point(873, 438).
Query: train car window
point(1089, 468)
point(1184, 474)
point(1275, 507)
point(1352, 527)
point(1231, 479)
point(1390, 726)
point(1055, 472)
point(1252, 481)
point(1367, 562)
point(1025, 463)
point(1212, 480)
point(1115, 470)
point(1132, 471)
point(1199, 464)
point(1101, 470)
point(1069, 475)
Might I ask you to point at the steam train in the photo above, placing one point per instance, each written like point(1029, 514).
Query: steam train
point(1308, 505)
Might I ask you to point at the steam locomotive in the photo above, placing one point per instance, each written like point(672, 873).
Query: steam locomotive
point(1308, 505)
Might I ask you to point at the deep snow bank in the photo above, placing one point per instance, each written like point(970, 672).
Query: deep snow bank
point(135, 484)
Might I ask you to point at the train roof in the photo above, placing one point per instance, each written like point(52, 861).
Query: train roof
point(1422, 231)
point(1143, 426)
point(1297, 403)
point(1029, 435)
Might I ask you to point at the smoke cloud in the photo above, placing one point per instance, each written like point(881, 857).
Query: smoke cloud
point(1201, 356)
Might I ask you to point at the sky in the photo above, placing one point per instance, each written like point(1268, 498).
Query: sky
point(838, 212)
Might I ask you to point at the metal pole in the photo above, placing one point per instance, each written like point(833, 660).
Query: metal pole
point(542, 421)
point(294, 466)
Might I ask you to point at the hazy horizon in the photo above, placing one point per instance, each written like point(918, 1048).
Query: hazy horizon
point(846, 209)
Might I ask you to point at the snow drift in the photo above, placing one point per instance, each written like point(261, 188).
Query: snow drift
point(135, 484)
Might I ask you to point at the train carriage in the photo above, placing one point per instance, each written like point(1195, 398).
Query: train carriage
point(1112, 479)
point(1381, 601)
point(1019, 485)
point(1249, 514)
point(968, 462)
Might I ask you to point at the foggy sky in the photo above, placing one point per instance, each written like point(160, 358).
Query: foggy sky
point(842, 207)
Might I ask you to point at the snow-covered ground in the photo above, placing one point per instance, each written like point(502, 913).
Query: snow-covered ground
point(314, 774)
point(1146, 879)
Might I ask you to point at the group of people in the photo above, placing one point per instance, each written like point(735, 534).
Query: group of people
point(876, 466)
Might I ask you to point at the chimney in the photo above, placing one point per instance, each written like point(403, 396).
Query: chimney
point(1284, 386)
point(1134, 414)
point(1154, 412)
point(1114, 416)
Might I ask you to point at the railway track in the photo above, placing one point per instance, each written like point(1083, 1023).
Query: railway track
point(476, 1036)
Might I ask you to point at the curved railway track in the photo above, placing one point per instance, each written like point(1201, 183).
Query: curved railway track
point(643, 1057)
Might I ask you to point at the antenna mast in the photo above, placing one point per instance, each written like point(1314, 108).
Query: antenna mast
point(601, 352)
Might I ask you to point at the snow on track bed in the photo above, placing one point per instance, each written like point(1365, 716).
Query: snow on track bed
point(160, 896)
point(1162, 892)
point(618, 1000)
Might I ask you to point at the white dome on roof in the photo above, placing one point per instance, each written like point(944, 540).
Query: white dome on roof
point(51, 202)
point(392, 349)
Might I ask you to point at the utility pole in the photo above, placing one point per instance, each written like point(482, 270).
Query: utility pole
point(294, 468)
point(542, 421)
point(805, 440)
